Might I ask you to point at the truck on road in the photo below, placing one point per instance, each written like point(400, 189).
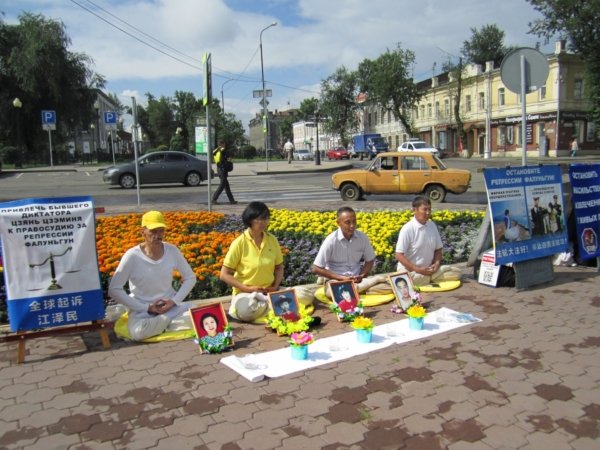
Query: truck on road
point(368, 145)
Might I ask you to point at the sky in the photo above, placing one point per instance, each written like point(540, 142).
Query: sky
point(156, 46)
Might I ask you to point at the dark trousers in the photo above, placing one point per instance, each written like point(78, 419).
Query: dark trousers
point(223, 186)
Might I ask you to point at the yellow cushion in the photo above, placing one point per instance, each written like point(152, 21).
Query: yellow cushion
point(440, 286)
point(122, 331)
point(367, 299)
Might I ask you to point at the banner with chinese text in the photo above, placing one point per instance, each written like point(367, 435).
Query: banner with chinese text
point(527, 210)
point(50, 262)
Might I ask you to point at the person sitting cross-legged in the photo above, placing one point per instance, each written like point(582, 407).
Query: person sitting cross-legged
point(419, 247)
point(347, 255)
point(154, 305)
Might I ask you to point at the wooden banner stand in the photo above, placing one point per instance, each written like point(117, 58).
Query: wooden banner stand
point(22, 336)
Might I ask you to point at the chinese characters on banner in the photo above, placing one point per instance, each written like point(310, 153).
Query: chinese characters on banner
point(50, 262)
point(527, 210)
point(585, 181)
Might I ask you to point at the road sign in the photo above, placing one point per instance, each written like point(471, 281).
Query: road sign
point(110, 120)
point(536, 71)
point(49, 120)
point(258, 93)
point(264, 102)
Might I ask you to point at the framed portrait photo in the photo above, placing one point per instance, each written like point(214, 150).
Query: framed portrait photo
point(285, 305)
point(345, 295)
point(212, 328)
point(403, 289)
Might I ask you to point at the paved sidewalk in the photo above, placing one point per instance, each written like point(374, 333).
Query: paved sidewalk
point(526, 377)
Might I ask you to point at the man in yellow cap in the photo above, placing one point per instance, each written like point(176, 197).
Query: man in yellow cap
point(154, 305)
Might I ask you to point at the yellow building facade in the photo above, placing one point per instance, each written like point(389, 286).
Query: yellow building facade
point(491, 114)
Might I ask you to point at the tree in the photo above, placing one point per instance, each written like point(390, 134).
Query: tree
point(455, 86)
point(579, 22)
point(486, 44)
point(386, 81)
point(338, 103)
point(37, 67)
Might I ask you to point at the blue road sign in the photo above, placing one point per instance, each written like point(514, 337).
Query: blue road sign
point(110, 117)
point(48, 117)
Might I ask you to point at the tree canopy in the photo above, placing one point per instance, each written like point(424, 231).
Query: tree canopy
point(386, 81)
point(338, 103)
point(485, 44)
point(66, 84)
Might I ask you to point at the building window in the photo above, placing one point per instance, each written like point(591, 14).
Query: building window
point(578, 89)
point(437, 110)
point(422, 111)
point(481, 100)
point(416, 112)
point(543, 92)
point(468, 103)
point(501, 98)
point(509, 135)
point(428, 109)
point(447, 108)
point(389, 116)
point(369, 119)
point(375, 117)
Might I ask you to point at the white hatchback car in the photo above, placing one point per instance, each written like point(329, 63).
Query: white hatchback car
point(303, 155)
point(418, 146)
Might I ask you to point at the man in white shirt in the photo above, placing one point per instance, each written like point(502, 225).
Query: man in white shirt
point(419, 248)
point(288, 147)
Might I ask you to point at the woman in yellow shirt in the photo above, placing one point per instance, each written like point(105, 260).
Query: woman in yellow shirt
point(253, 266)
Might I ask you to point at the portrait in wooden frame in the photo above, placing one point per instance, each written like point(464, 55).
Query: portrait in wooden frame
point(211, 327)
point(403, 288)
point(345, 295)
point(285, 304)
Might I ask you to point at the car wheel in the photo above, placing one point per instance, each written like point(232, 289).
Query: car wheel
point(350, 192)
point(127, 181)
point(435, 193)
point(193, 179)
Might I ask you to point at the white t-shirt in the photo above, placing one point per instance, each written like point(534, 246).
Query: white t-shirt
point(418, 242)
point(150, 280)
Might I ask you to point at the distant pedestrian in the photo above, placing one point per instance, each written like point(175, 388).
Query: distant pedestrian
point(574, 146)
point(221, 159)
point(289, 149)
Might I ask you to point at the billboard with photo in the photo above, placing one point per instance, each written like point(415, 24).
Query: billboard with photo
point(527, 211)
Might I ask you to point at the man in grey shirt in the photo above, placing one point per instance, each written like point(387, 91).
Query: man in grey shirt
point(347, 255)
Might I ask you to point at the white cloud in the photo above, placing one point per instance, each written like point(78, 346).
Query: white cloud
point(312, 39)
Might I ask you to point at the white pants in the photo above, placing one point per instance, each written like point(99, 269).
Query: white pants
point(444, 273)
point(142, 325)
point(375, 284)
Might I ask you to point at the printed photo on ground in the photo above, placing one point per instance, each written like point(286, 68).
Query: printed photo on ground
point(403, 289)
point(285, 305)
point(210, 323)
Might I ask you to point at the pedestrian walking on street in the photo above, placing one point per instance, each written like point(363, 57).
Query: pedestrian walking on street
point(289, 149)
point(224, 166)
point(574, 146)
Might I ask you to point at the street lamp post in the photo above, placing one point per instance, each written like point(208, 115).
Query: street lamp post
point(264, 97)
point(97, 108)
point(18, 105)
point(94, 149)
point(223, 98)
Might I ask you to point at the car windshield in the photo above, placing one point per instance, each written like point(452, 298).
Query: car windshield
point(302, 151)
point(439, 162)
point(421, 145)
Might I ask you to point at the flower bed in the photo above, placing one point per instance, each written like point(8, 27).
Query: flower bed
point(204, 238)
